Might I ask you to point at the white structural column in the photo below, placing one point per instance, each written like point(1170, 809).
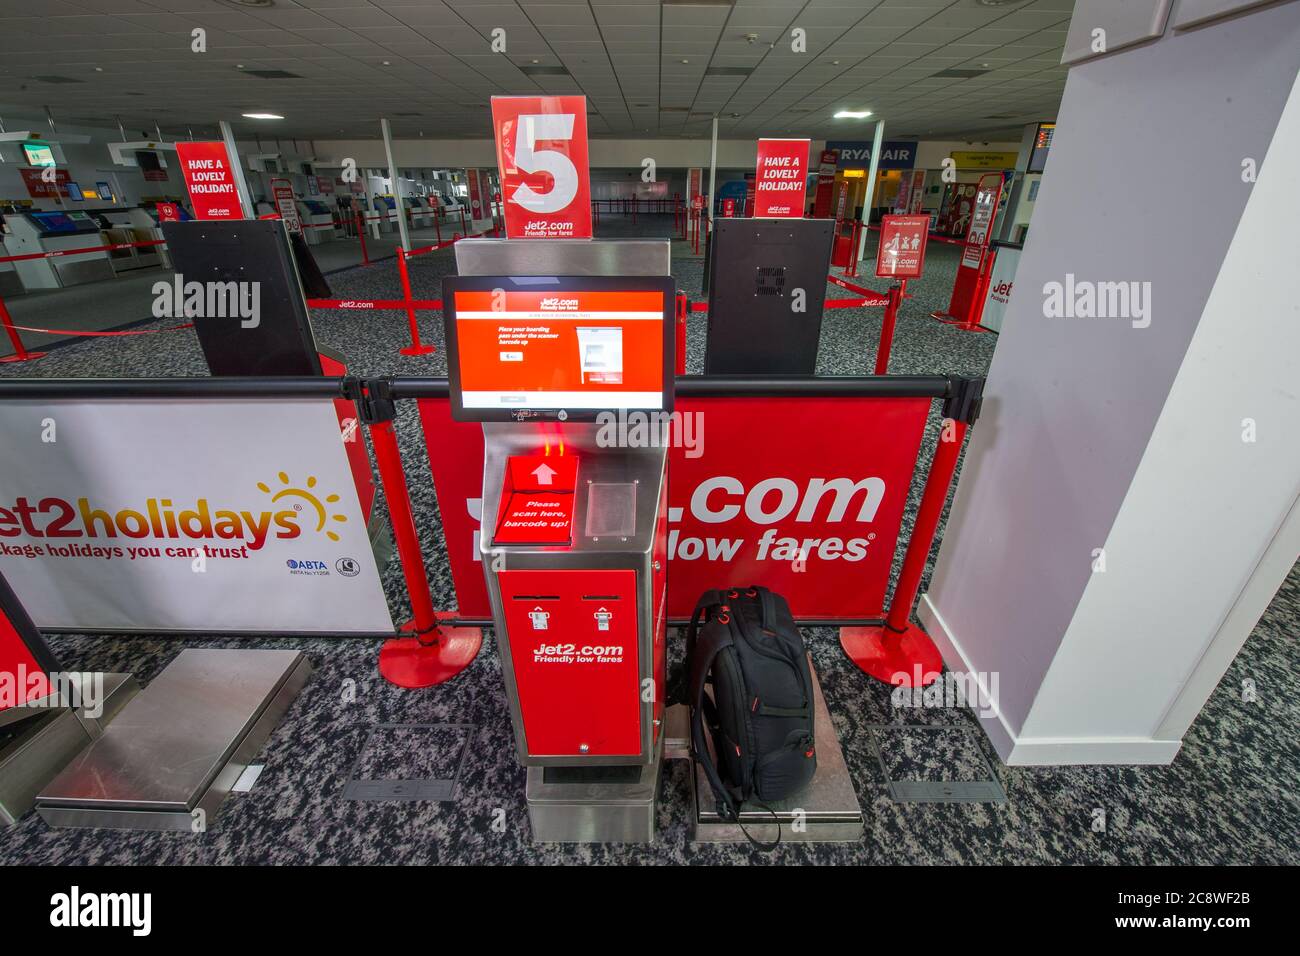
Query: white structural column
point(397, 184)
point(237, 170)
point(877, 141)
point(1128, 502)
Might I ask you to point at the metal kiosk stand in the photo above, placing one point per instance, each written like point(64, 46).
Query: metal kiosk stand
point(574, 542)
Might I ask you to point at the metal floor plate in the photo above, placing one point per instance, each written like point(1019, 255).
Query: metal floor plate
point(410, 762)
point(935, 764)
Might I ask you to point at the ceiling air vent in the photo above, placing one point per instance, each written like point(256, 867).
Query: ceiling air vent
point(959, 74)
point(544, 71)
point(729, 71)
point(57, 79)
point(272, 74)
point(674, 109)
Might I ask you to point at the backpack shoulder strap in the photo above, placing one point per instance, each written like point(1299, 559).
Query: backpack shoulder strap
point(766, 608)
point(701, 661)
point(707, 600)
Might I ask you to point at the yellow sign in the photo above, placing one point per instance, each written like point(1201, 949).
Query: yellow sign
point(972, 159)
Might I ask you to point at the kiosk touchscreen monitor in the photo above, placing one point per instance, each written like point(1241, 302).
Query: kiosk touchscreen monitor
point(558, 347)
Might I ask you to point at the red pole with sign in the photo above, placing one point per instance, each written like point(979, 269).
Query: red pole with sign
point(895, 294)
point(966, 299)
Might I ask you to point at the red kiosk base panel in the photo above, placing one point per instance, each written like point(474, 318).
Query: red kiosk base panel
point(573, 643)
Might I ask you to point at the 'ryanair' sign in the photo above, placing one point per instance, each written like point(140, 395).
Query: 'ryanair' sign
point(894, 154)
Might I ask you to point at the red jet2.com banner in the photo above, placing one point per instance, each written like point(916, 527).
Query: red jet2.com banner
point(209, 180)
point(542, 158)
point(781, 178)
point(818, 523)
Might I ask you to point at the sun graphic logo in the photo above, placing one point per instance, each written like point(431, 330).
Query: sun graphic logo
point(308, 498)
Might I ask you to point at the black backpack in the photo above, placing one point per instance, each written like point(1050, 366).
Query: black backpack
point(761, 716)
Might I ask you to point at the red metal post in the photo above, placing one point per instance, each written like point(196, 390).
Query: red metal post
point(887, 330)
point(361, 234)
point(683, 307)
point(434, 655)
point(437, 229)
point(20, 352)
point(951, 436)
point(389, 460)
point(464, 229)
point(899, 652)
point(416, 347)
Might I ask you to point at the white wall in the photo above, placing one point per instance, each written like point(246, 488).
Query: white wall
point(1097, 434)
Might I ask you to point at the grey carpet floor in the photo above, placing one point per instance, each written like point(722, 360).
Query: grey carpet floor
point(1229, 797)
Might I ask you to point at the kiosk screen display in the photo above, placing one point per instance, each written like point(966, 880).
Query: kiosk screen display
point(54, 221)
point(558, 347)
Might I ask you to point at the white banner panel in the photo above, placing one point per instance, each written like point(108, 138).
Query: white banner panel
point(104, 503)
point(999, 291)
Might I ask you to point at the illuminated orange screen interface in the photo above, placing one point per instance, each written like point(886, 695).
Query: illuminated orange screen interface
point(579, 350)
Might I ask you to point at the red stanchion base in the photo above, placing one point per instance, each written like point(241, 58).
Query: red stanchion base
point(29, 357)
point(406, 662)
point(909, 658)
point(957, 323)
point(418, 349)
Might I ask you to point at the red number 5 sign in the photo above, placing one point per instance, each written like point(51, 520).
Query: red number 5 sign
point(542, 156)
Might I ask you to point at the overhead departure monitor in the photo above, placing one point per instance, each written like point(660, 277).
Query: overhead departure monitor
point(558, 347)
point(39, 154)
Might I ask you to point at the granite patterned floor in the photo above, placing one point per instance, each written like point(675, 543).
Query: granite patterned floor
point(1229, 797)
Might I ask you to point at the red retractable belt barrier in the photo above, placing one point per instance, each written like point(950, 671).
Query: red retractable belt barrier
point(819, 524)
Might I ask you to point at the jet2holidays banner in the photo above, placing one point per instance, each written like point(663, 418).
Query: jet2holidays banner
point(185, 515)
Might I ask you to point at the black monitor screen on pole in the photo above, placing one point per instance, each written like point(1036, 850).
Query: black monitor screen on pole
point(767, 282)
point(237, 282)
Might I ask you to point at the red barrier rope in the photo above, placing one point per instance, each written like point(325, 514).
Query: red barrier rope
point(79, 333)
point(78, 252)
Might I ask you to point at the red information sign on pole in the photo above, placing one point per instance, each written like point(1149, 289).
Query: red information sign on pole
point(168, 212)
point(780, 178)
point(286, 204)
point(542, 158)
point(209, 180)
point(901, 254)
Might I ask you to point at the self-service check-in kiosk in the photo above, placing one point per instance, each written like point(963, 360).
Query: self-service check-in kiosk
point(313, 213)
point(574, 540)
point(128, 226)
point(56, 231)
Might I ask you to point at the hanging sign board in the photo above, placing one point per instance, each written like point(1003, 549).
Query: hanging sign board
point(541, 146)
point(209, 180)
